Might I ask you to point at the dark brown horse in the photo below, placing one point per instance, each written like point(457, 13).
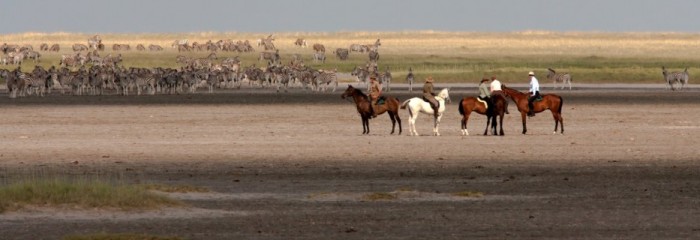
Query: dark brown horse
point(471, 104)
point(549, 101)
point(391, 106)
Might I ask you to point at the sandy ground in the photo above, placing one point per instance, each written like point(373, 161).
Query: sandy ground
point(295, 166)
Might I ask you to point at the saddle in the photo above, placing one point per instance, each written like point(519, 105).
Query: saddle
point(426, 100)
point(381, 100)
point(486, 104)
point(538, 98)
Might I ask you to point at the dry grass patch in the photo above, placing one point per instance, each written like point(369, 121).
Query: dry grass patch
point(79, 194)
point(469, 194)
point(379, 196)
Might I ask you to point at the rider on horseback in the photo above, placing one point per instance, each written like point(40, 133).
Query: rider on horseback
point(485, 95)
point(496, 90)
point(375, 90)
point(534, 94)
point(429, 96)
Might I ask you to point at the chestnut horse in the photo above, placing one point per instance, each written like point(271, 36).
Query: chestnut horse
point(471, 104)
point(362, 102)
point(549, 101)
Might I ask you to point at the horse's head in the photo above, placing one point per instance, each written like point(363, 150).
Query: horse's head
point(445, 94)
point(348, 92)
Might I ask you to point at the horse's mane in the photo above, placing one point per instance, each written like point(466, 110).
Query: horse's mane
point(360, 93)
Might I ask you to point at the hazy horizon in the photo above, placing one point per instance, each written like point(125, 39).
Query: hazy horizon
point(180, 16)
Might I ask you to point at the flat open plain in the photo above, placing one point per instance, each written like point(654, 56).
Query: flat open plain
point(296, 166)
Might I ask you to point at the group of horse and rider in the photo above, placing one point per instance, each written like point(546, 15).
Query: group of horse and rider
point(491, 101)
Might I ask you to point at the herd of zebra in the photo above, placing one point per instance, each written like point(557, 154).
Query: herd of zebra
point(97, 79)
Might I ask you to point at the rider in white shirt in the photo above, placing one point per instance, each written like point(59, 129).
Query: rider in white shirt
point(534, 93)
point(496, 90)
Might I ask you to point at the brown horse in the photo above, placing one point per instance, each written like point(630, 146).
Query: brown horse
point(362, 102)
point(549, 101)
point(471, 104)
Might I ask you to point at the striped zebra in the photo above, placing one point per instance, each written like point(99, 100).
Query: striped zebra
point(342, 53)
point(94, 42)
point(385, 79)
point(54, 48)
point(44, 47)
point(325, 78)
point(410, 78)
point(564, 78)
point(153, 47)
point(373, 56)
point(140, 47)
point(362, 75)
point(674, 78)
point(300, 42)
point(79, 47)
point(319, 57)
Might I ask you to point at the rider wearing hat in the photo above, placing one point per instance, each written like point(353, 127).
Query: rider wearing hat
point(375, 90)
point(484, 93)
point(429, 96)
point(534, 93)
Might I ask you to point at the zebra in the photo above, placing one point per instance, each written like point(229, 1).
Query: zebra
point(271, 57)
point(385, 79)
point(675, 77)
point(342, 53)
point(362, 75)
point(300, 42)
point(54, 48)
point(319, 57)
point(319, 48)
point(373, 56)
point(34, 55)
point(79, 47)
point(121, 47)
point(356, 48)
point(410, 78)
point(564, 78)
point(94, 42)
point(44, 47)
point(326, 77)
point(153, 47)
point(140, 47)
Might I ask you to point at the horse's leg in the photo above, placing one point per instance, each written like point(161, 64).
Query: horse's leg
point(437, 125)
point(412, 123)
point(365, 125)
point(494, 125)
point(488, 123)
point(465, 120)
point(501, 120)
point(523, 115)
point(393, 121)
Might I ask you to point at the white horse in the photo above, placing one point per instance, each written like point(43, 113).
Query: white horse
point(417, 105)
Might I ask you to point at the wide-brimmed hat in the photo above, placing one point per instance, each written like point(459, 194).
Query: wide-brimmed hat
point(429, 79)
point(372, 77)
point(531, 73)
point(485, 80)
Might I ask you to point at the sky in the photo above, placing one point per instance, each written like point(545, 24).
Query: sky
point(171, 16)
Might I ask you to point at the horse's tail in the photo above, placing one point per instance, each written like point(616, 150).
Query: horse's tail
point(403, 105)
point(561, 104)
point(461, 107)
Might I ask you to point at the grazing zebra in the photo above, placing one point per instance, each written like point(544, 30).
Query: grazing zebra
point(319, 48)
point(322, 77)
point(121, 47)
point(54, 48)
point(34, 55)
point(44, 47)
point(140, 47)
point(410, 78)
point(675, 77)
point(564, 78)
point(79, 47)
point(300, 42)
point(319, 57)
point(342, 53)
point(153, 47)
point(357, 48)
